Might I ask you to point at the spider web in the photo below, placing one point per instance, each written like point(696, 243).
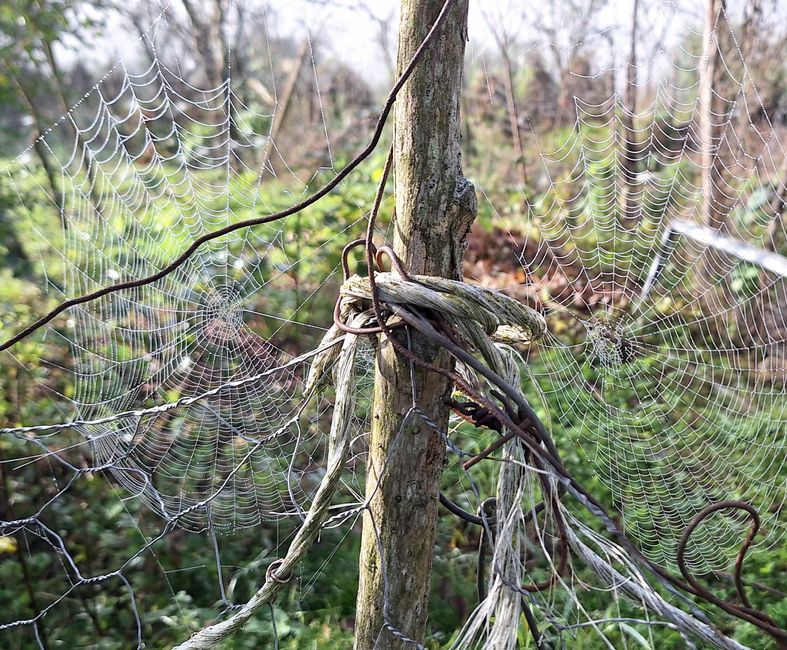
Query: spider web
point(143, 171)
point(677, 393)
point(190, 390)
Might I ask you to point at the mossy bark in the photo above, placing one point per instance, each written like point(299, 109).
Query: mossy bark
point(435, 207)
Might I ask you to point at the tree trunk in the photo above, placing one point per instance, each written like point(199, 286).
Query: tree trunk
point(18, 259)
point(710, 118)
point(752, 17)
point(511, 110)
point(435, 207)
point(630, 151)
point(42, 151)
point(94, 190)
point(282, 107)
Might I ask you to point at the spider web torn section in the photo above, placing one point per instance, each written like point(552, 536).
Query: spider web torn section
point(678, 396)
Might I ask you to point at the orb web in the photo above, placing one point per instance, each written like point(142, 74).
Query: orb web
point(666, 353)
point(143, 171)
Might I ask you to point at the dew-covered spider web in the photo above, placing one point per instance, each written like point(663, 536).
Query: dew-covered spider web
point(188, 392)
point(671, 372)
point(649, 233)
point(152, 165)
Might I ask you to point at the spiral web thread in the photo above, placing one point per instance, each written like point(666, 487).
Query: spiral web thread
point(145, 176)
